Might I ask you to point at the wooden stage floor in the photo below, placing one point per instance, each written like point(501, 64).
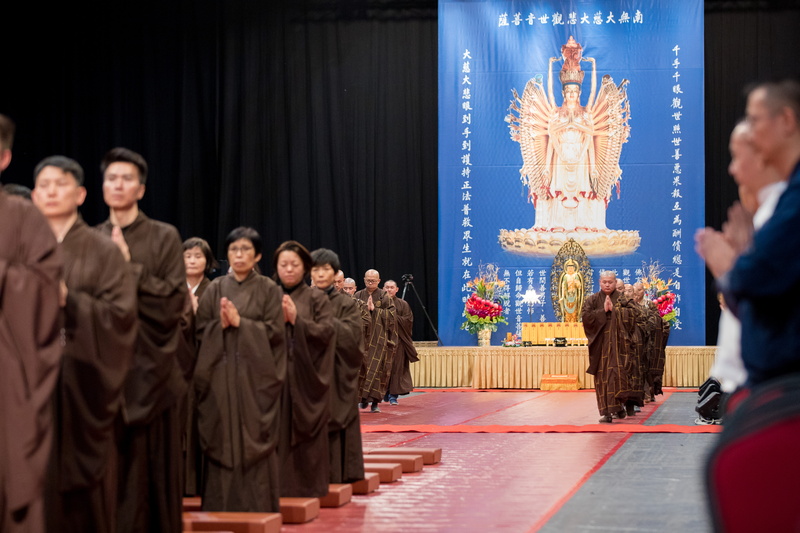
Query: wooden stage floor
point(539, 463)
point(496, 367)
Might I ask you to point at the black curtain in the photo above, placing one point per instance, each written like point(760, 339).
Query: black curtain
point(308, 120)
point(745, 42)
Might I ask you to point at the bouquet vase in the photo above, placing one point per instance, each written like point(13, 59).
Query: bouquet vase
point(485, 337)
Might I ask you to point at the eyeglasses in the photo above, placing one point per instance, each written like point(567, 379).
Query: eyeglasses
point(239, 249)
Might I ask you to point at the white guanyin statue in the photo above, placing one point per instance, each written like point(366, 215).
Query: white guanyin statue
point(570, 160)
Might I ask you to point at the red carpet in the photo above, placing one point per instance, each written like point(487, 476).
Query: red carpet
point(588, 428)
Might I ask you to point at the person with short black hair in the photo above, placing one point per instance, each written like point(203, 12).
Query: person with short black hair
point(150, 428)
point(771, 345)
point(311, 341)
point(30, 352)
point(99, 337)
point(344, 428)
point(239, 398)
point(7, 129)
point(15, 189)
point(199, 262)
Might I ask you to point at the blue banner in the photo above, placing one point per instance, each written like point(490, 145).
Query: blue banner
point(569, 120)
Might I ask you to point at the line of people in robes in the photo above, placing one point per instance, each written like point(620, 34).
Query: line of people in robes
point(123, 363)
point(627, 347)
point(281, 421)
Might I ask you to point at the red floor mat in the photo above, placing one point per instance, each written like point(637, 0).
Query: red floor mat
point(588, 428)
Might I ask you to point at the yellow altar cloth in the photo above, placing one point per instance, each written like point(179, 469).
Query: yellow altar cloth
point(495, 367)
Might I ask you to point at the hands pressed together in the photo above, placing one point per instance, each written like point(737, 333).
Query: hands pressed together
point(720, 249)
point(289, 309)
point(228, 314)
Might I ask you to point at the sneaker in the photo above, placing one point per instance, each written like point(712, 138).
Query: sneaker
point(393, 402)
point(362, 405)
point(622, 414)
point(637, 408)
point(702, 421)
point(375, 409)
point(606, 419)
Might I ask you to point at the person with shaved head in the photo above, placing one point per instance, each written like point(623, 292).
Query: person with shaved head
point(338, 280)
point(380, 343)
point(99, 342)
point(400, 382)
point(610, 320)
point(349, 286)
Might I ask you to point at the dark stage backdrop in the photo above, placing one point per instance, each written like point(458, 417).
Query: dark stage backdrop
point(308, 120)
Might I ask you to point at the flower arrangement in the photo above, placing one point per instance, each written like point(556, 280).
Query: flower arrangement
point(658, 291)
point(513, 342)
point(484, 307)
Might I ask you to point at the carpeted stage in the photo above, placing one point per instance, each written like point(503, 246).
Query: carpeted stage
point(497, 367)
point(527, 461)
point(522, 460)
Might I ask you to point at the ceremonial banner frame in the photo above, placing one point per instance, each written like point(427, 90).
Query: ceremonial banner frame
point(507, 186)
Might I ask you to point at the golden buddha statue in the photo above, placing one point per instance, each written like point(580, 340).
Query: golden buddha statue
point(570, 292)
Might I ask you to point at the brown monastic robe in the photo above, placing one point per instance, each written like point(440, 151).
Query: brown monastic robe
point(658, 355)
point(400, 381)
point(380, 346)
point(151, 458)
point(193, 466)
point(652, 321)
point(100, 334)
point(610, 361)
point(366, 319)
point(238, 380)
point(637, 353)
point(344, 437)
point(30, 353)
point(305, 409)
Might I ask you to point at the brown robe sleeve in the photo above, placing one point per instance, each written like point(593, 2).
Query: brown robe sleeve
point(366, 318)
point(391, 319)
point(626, 318)
point(156, 380)
point(30, 347)
point(405, 327)
point(595, 320)
point(347, 323)
point(100, 338)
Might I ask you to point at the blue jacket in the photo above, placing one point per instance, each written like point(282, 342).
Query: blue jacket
point(763, 289)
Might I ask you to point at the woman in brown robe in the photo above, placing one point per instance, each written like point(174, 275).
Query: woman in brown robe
point(344, 428)
point(310, 340)
point(199, 262)
point(240, 371)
